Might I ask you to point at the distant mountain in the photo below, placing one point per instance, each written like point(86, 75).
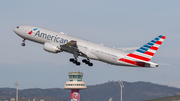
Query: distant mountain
point(135, 91)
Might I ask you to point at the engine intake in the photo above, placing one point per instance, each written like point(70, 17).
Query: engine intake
point(51, 47)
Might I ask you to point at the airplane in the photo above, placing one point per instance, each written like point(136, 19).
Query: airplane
point(55, 42)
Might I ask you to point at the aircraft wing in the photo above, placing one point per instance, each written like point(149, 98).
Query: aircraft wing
point(71, 47)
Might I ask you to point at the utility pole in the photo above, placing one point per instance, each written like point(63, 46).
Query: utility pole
point(121, 85)
point(110, 99)
point(16, 84)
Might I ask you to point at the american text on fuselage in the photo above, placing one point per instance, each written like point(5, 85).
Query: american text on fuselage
point(51, 37)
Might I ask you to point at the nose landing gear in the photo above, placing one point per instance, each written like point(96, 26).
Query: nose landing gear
point(23, 44)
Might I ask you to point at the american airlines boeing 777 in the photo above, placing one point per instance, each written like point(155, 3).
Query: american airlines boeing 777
point(55, 42)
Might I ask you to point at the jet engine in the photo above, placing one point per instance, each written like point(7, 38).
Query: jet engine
point(51, 47)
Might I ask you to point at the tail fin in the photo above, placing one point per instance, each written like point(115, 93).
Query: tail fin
point(146, 52)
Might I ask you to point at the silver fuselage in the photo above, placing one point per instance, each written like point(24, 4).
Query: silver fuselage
point(92, 50)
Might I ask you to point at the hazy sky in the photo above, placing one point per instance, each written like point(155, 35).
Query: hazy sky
point(114, 23)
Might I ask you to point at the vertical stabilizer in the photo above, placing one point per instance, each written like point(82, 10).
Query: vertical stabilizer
point(147, 51)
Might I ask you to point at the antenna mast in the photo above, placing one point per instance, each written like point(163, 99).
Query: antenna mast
point(16, 84)
point(121, 85)
point(110, 99)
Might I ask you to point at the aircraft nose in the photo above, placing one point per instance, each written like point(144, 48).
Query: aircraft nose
point(16, 29)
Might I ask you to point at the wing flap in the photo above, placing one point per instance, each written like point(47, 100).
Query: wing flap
point(72, 47)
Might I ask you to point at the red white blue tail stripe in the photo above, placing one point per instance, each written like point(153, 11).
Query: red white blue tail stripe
point(144, 53)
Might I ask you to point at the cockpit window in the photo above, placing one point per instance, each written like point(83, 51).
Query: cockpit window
point(17, 27)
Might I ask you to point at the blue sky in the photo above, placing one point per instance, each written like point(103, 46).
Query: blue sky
point(115, 23)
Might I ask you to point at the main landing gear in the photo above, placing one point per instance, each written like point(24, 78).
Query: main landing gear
point(23, 44)
point(86, 61)
point(74, 61)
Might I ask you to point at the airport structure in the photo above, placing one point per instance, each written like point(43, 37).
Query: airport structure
point(75, 84)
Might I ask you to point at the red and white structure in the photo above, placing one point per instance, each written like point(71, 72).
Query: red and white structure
point(75, 84)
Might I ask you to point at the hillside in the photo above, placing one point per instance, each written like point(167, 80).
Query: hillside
point(135, 91)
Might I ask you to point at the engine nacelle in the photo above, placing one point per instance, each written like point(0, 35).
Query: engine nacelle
point(50, 47)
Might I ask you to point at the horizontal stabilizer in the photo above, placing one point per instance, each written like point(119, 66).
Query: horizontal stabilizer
point(128, 48)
